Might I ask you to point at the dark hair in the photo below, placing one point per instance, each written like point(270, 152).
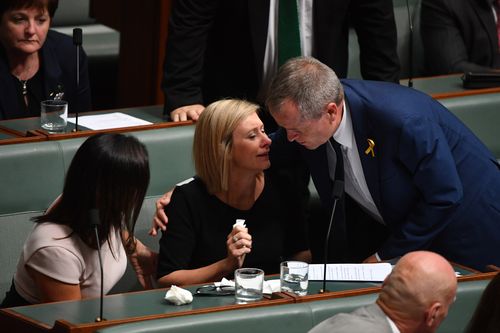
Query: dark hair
point(110, 172)
point(51, 5)
point(486, 318)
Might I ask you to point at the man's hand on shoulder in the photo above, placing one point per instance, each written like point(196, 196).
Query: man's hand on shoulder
point(160, 219)
point(187, 112)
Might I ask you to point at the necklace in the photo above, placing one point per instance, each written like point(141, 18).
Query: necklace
point(24, 83)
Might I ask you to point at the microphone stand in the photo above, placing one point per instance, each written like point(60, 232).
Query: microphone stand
point(338, 189)
point(77, 41)
point(95, 222)
point(410, 47)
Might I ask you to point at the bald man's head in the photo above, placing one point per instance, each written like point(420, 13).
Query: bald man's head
point(419, 291)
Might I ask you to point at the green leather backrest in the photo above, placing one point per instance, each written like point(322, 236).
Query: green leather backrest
point(32, 174)
point(322, 310)
point(290, 318)
point(481, 113)
point(468, 295)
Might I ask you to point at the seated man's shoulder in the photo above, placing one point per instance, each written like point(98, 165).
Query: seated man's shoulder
point(363, 319)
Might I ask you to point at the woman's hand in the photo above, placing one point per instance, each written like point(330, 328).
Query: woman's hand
point(144, 261)
point(239, 243)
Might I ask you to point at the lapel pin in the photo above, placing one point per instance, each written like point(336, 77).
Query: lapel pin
point(371, 145)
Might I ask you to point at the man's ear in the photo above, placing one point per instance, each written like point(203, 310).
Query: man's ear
point(433, 315)
point(333, 111)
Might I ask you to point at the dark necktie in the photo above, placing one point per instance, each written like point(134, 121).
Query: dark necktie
point(338, 243)
point(288, 31)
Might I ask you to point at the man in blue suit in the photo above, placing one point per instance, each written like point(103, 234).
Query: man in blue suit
point(409, 163)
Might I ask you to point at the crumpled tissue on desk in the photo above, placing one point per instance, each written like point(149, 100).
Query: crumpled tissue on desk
point(178, 296)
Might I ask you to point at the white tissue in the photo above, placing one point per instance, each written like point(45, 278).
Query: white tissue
point(268, 287)
point(271, 286)
point(224, 283)
point(239, 222)
point(178, 296)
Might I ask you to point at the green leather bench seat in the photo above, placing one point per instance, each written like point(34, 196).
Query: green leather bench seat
point(32, 176)
point(298, 317)
point(481, 113)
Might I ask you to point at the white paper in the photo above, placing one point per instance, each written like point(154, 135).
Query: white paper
point(108, 121)
point(350, 272)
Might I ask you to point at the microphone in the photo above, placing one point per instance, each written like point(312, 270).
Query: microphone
point(410, 47)
point(338, 191)
point(95, 222)
point(77, 41)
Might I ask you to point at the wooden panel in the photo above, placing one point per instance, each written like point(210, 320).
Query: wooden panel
point(143, 31)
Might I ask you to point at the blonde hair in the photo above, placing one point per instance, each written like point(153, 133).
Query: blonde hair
point(213, 139)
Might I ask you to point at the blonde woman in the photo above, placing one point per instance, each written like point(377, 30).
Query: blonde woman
point(231, 156)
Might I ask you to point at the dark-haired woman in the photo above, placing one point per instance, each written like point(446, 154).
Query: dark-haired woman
point(36, 63)
point(59, 261)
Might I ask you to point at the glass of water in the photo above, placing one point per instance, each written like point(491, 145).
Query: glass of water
point(54, 115)
point(249, 283)
point(294, 277)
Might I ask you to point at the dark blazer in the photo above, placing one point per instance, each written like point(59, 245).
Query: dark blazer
point(215, 48)
point(435, 184)
point(58, 56)
point(459, 36)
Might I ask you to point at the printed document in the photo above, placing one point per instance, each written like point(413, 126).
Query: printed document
point(350, 272)
point(108, 121)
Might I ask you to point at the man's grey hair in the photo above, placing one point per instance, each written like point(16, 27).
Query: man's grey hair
point(308, 83)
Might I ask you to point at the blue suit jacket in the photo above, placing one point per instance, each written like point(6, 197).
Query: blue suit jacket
point(58, 56)
point(435, 184)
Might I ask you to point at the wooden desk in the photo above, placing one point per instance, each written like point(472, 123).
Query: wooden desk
point(79, 316)
point(445, 86)
point(29, 130)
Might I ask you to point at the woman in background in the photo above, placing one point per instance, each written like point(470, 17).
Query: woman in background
point(59, 261)
point(231, 154)
point(36, 63)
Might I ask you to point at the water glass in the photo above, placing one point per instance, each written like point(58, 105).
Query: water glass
point(294, 277)
point(54, 115)
point(249, 284)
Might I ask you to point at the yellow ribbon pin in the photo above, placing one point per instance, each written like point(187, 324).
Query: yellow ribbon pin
point(371, 145)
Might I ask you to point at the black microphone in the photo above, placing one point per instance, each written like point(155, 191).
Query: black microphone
point(410, 47)
point(338, 191)
point(77, 41)
point(95, 222)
